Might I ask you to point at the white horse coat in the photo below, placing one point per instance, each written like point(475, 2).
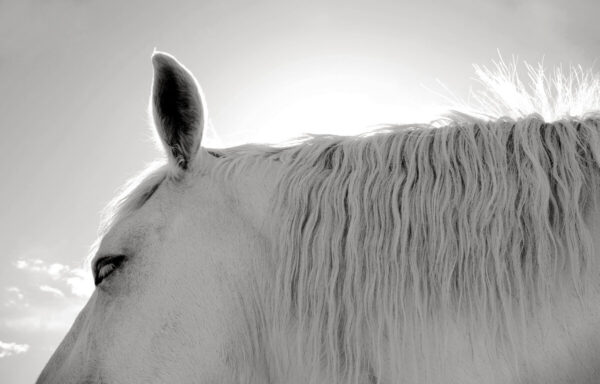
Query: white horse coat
point(459, 254)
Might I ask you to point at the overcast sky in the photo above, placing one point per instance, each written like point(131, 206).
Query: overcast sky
point(75, 79)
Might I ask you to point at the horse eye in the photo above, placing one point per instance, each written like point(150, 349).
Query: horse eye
point(105, 266)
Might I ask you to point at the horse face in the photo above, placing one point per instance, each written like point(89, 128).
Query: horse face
point(164, 308)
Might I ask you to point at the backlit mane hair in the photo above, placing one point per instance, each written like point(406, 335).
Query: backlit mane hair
point(389, 242)
point(392, 245)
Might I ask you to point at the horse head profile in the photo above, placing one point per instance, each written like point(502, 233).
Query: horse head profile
point(463, 251)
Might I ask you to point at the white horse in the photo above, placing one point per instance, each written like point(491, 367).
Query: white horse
point(461, 253)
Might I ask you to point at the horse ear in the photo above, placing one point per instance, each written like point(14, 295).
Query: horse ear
point(177, 108)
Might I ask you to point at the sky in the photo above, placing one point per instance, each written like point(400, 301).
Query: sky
point(75, 78)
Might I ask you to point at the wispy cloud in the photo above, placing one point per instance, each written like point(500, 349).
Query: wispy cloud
point(14, 298)
point(49, 289)
point(79, 281)
point(43, 296)
point(16, 292)
point(8, 349)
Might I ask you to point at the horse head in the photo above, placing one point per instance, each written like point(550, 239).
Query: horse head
point(174, 253)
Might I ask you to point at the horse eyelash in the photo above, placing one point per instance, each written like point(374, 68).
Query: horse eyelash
point(105, 270)
point(106, 266)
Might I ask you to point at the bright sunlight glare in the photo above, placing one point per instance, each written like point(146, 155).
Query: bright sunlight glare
point(347, 101)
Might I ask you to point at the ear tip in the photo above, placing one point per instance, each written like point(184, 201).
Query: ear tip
point(163, 59)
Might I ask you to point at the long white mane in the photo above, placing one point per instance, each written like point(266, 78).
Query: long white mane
point(552, 94)
point(391, 246)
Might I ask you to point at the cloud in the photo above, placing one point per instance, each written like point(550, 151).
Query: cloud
point(15, 298)
point(49, 289)
point(43, 296)
point(16, 291)
point(31, 264)
point(78, 280)
point(80, 283)
point(8, 349)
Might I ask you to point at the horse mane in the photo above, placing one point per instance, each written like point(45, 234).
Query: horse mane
point(387, 242)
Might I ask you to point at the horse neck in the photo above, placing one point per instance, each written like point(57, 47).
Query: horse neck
point(254, 187)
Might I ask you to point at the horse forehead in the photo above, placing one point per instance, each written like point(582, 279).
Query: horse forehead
point(137, 214)
point(206, 195)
